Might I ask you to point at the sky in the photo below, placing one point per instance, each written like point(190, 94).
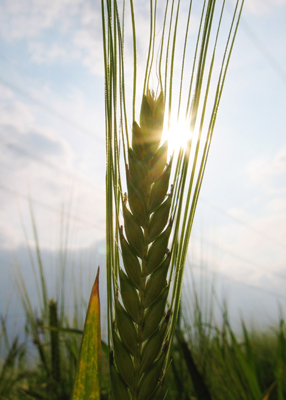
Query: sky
point(52, 153)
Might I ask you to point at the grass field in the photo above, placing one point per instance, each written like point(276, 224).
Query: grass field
point(205, 355)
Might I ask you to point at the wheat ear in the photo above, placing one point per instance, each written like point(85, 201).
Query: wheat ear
point(141, 320)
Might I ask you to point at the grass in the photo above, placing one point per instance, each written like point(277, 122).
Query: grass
point(12, 365)
point(249, 366)
point(52, 327)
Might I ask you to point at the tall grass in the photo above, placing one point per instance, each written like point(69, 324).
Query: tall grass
point(12, 366)
point(249, 365)
point(231, 367)
point(53, 328)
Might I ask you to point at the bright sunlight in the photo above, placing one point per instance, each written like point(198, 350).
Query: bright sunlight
point(177, 135)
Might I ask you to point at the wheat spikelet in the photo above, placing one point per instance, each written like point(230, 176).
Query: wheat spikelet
point(141, 320)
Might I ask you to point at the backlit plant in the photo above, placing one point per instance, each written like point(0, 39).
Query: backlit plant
point(151, 196)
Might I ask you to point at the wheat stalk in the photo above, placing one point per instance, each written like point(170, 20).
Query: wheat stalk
point(146, 255)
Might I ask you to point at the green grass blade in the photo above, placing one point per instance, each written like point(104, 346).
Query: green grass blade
point(39, 259)
point(55, 343)
point(281, 361)
point(269, 391)
point(198, 382)
point(87, 380)
point(244, 366)
point(30, 316)
point(61, 330)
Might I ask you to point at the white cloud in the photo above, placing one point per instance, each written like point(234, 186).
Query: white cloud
point(85, 47)
point(269, 173)
point(8, 231)
point(259, 7)
point(41, 53)
point(28, 18)
point(25, 161)
point(63, 30)
point(5, 93)
point(277, 205)
point(28, 148)
point(253, 248)
point(44, 142)
point(16, 114)
point(90, 49)
point(18, 127)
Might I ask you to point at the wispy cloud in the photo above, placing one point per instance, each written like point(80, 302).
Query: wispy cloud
point(259, 7)
point(29, 18)
point(37, 162)
point(57, 31)
point(269, 173)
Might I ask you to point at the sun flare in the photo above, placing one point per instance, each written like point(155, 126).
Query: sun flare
point(177, 135)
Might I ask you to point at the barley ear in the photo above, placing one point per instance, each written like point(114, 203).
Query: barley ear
point(140, 320)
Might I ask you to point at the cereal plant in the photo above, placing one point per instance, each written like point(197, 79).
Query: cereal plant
point(152, 189)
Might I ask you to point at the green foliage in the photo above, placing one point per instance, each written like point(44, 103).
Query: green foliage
point(250, 367)
point(200, 387)
point(57, 358)
point(87, 379)
point(10, 367)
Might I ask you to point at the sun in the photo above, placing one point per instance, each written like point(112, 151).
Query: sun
point(177, 135)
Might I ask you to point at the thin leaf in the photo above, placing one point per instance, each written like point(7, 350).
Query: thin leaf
point(198, 382)
point(269, 391)
point(87, 380)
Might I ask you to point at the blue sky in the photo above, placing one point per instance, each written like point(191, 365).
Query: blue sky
point(52, 143)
